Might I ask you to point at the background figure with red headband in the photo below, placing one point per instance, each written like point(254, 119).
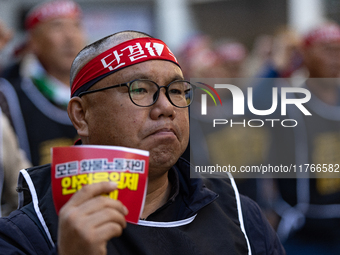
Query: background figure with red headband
point(232, 55)
point(128, 90)
point(309, 208)
point(41, 79)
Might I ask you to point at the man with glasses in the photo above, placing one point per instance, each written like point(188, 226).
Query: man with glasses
point(128, 90)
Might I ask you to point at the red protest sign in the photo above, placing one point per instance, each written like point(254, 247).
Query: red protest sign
point(76, 166)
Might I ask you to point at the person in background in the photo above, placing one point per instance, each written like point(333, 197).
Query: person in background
point(212, 62)
point(308, 208)
point(5, 36)
point(198, 58)
point(285, 59)
point(12, 158)
point(259, 55)
point(41, 78)
point(232, 55)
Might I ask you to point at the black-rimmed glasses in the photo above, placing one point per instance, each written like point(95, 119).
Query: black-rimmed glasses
point(145, 93)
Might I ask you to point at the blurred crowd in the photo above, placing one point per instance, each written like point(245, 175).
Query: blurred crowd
point(304, 211)
point(34, 92)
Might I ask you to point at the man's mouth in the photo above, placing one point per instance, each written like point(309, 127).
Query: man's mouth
point(166, 132)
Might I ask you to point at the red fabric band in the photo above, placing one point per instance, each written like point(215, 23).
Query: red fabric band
point(51, 10)
point(118, 57)
point(324, 33)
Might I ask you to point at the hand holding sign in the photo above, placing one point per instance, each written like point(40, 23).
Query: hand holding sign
point(77, 166)
point(88, 220)
point(90, 215)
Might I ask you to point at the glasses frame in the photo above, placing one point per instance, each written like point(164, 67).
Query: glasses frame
point(128, 84)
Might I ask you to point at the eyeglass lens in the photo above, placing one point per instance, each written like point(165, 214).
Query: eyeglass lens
point(144, 93)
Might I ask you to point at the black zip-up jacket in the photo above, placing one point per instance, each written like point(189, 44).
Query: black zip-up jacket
point(202, 216)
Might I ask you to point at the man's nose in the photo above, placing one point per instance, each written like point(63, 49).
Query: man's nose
point(163, 90)
point(163, 106)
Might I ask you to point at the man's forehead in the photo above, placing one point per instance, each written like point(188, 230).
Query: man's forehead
point(107, 45)
point(151, 70)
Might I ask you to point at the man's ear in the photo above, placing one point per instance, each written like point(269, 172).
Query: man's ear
point(76, 112)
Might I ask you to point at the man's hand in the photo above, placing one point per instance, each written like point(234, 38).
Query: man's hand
point(88, 220)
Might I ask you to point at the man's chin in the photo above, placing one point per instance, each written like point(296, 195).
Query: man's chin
point(163, 158)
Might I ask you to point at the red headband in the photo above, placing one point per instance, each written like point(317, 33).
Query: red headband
point(118, 57)
point(325, 33)
point(51, 10)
